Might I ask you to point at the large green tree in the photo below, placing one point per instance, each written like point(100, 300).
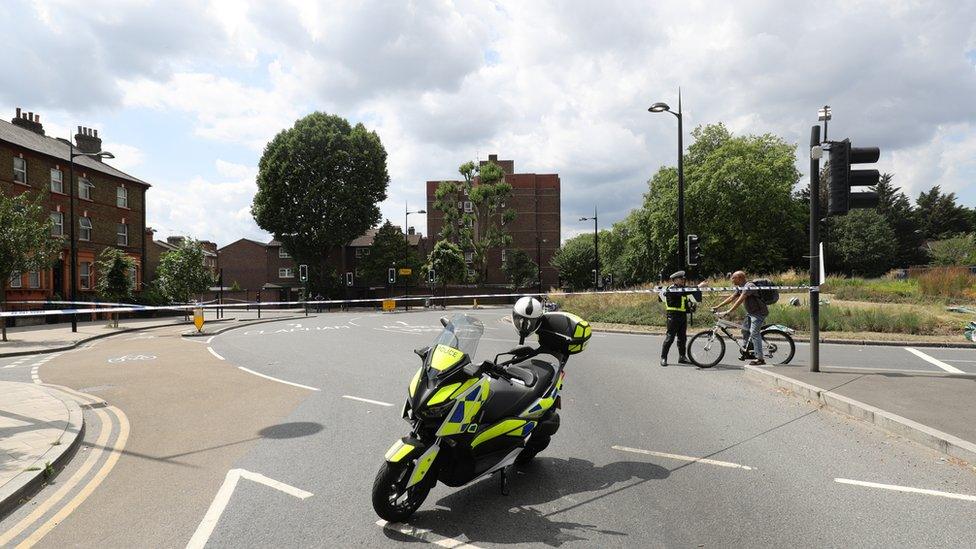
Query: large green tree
point(25, 240)
point(387, 251)
point(863, 243)
point(480, 227)
point(113, 282)
point(319, 186)
point(574, 261)
point(958, 250)
point(738, 200)
point(897, 210)
point(182, 274)
point(520, 270)
point(939, 216)
point(447, 262)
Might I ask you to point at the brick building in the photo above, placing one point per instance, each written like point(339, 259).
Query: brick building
point(109, 205)
point(536, 229)
point(156, 248)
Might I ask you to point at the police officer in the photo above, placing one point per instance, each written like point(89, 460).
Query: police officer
point(677, 304)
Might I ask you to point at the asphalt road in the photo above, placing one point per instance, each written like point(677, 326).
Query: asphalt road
point(304, 453)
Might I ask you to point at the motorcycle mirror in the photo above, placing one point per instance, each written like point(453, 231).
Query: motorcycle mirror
point(422, 352)
point(471, 369)
point(444, 321)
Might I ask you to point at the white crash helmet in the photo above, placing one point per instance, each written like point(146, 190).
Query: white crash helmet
point(526, 315)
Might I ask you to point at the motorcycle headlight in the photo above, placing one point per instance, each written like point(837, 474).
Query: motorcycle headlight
point(437, 410)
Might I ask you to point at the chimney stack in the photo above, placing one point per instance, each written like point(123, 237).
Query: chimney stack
point(28, 121)
point(87, 140)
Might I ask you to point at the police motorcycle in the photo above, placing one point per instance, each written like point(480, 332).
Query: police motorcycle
point(470, 420)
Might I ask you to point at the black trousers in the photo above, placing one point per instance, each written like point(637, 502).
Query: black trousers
point(677, 328)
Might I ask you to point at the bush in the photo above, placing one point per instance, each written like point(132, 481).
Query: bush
point(948, 282)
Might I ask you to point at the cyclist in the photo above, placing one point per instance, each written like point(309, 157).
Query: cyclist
point(756, 313)
point(677, 305)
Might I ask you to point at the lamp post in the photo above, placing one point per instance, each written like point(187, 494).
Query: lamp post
point(663, 107)
point(74, 243)
point(596, 248)
point(406, 248)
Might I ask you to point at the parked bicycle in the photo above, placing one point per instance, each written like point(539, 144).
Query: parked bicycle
point(706, 349)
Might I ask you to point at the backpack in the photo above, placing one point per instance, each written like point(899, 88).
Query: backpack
point(768, 296)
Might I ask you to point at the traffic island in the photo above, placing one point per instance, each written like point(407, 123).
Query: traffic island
point(40, 428)
point(935, 410)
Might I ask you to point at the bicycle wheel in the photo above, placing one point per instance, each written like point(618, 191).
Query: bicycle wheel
point(778, 347)
point(706, 349)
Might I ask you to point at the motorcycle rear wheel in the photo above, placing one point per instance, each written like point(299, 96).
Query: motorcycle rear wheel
point(535, 445)
point(391, 501)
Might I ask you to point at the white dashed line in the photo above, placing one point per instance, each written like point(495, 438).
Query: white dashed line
point(423, 534)
point(34, 377)
point(683, 458)
point(214, 353)
point(933, 360)
point(367, 400)
point(278, 380)
point(906, 489)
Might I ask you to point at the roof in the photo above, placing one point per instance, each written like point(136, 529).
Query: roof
point(248, 240)
point(167, 246)
point(58, 149)
point(367, 239)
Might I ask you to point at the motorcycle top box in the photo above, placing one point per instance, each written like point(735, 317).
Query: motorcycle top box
point(470, 420)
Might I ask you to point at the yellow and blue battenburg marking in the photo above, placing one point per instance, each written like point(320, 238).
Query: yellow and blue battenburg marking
point(541, 405)
point(510, 427)
point(465, 408)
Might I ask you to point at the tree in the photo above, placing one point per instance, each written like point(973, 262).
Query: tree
point(519, 269)
point(113, 282)
point(387, 251)
point(483, 227)
point(574, 261)
point(939, 216)
point(897, 209)
point(958, 250)
point(181, 273)
point(25, 241)
point(863, 243)
point(319, 184)
point(447, 262)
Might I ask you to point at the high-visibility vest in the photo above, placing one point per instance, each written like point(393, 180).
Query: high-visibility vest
point(683, 308)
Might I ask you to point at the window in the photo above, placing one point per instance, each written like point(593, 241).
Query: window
point(34, 279)
point(283, 254)
point(85, 225)
point(468, 206)
point(122, 197)
point(362, 252)
point(122, 234)
point(84, 275)
point(20, 170)
point(469, 257)
point(15, 281)
point(57, 229)
point(85, 189)
point(57, 180)
point(286, 272)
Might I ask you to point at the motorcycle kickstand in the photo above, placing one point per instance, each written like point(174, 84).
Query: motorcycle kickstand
point(504, 479)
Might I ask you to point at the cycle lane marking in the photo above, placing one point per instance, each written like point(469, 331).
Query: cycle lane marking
point(908, 489)
point(214, 353)
point(933, 360)
point(425, 534)
point(680, 457)
point(366, 400)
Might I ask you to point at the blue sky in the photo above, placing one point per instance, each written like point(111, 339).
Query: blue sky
point(186, 93)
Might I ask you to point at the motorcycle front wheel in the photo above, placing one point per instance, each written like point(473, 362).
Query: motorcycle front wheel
point(391, 501)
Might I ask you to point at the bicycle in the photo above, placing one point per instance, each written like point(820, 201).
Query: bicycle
point(778, 345)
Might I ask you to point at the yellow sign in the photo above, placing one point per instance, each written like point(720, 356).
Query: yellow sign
point(198, 318)
point(406, 271)
point(389, 304)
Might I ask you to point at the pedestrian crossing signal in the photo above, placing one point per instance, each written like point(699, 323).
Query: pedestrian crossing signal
point(391, 275)
point(431, 276)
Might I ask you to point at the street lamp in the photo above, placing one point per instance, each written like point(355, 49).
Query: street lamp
point(596, 248)
point(663, 107)
point(406, 248)
point(102, 155)
point(823, 114)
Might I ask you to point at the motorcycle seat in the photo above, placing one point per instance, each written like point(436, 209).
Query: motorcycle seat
point(532, 372)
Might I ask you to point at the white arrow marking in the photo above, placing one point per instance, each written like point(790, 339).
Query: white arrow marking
point(209, 522)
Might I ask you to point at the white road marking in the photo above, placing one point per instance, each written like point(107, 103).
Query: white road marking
point(424, 534)
point(932, 360)
point(683, 458)
point(906, 489)
point(214, 353)
point(278, 380)
point(367, 400)
point(34, 377)
point(209, 522)
point(209, 339)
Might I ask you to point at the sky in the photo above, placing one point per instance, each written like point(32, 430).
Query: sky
point(187, 93)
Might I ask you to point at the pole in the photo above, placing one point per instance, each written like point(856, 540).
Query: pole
point(74, 244)
point(814, 252)
point(406, 252)
point(596, 248)
point(681, 189)
point(220, 298)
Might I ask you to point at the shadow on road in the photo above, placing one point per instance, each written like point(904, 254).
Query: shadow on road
point(481, 513)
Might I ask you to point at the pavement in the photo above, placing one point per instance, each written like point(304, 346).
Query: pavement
point(271, 434)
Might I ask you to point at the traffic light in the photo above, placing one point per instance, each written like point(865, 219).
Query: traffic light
point(431, 276)
point(348, 279)
point(840, 177)
point(303, 273)
point(694, 250)
point(391, 275)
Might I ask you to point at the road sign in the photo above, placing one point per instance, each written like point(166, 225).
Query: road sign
point(198, 318)
point(405, 271)
point(303, 273)
point(389, 304)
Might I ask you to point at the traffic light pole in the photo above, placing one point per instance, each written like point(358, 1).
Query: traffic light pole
point(814, 251)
